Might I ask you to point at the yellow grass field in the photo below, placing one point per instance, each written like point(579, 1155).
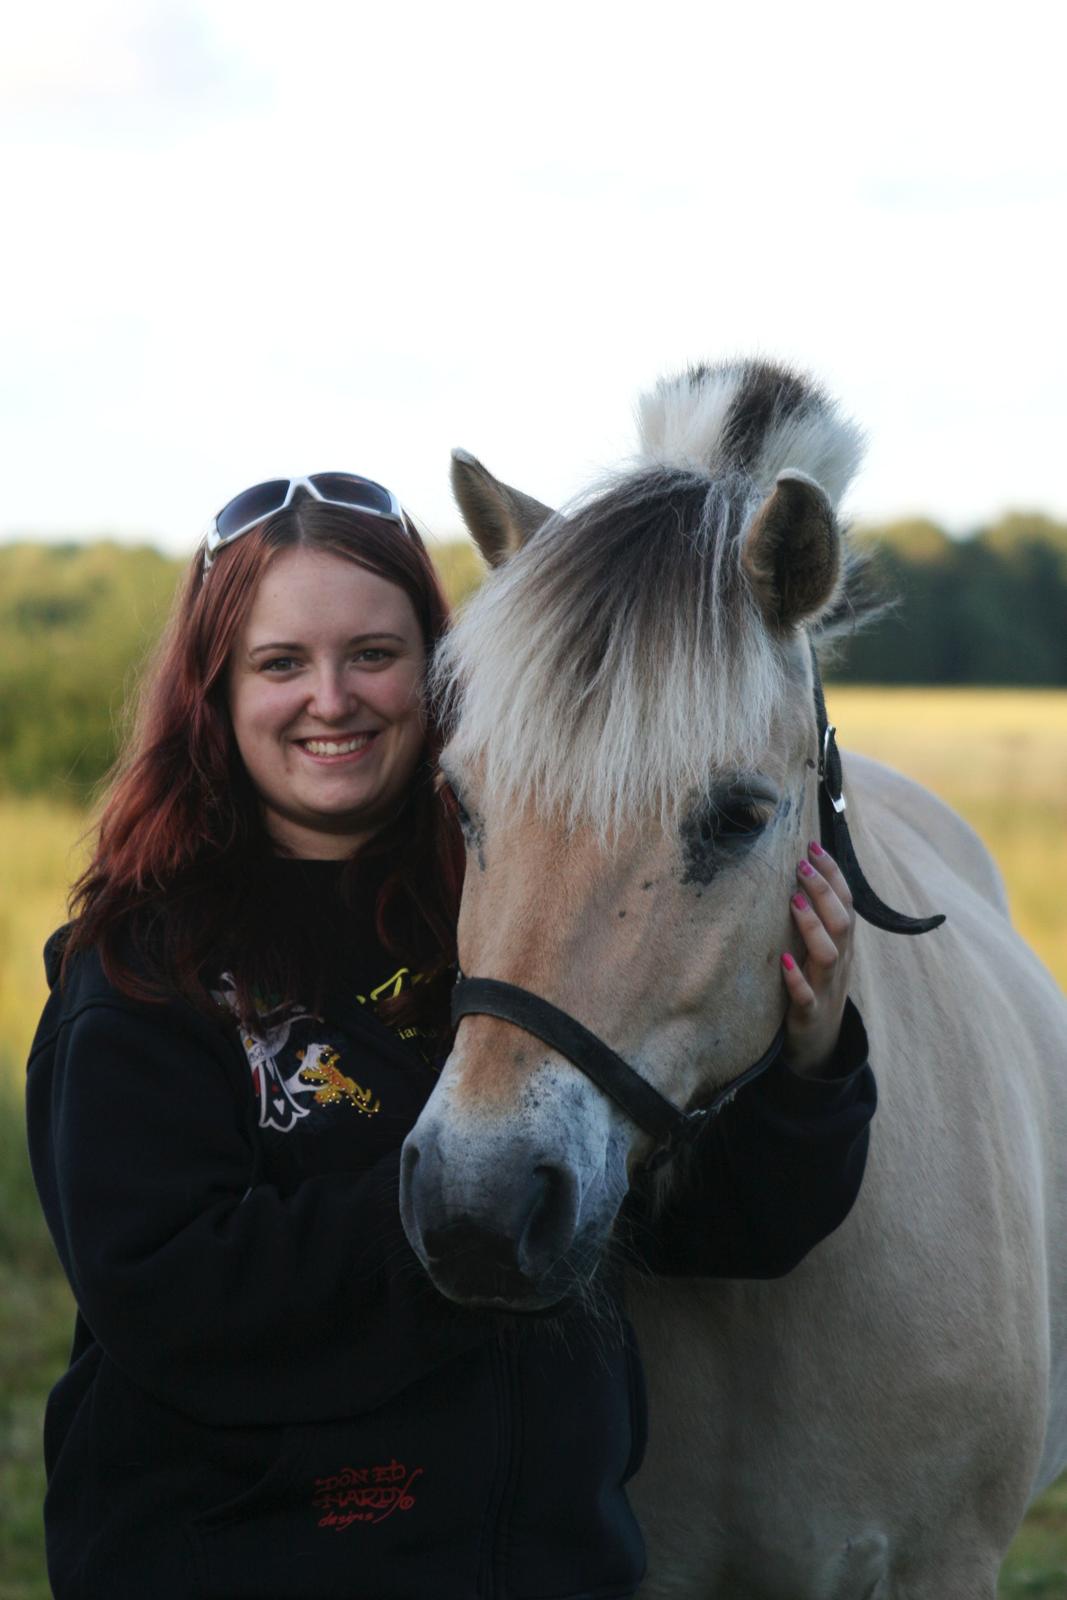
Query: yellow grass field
point(999, 757)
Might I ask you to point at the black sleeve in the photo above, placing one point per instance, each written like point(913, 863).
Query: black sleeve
point(772, 1175)
point(211, 1290)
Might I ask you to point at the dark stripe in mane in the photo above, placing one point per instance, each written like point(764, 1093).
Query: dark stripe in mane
point(766, 397)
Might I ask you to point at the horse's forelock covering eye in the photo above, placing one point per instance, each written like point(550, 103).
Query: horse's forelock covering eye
point(458, 801)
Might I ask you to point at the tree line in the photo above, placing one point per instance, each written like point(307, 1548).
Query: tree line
point(78, 622)
point(990, 609)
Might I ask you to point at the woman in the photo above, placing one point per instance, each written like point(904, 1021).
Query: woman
point(266, 1398)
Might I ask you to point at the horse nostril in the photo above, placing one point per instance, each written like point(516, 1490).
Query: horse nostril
point(412, 1202)
point(551, 1219)
point(409, 1160)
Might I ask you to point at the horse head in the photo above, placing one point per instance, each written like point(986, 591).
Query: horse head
point(633, 756)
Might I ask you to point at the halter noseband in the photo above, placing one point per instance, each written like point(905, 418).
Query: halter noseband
point(614, 1077)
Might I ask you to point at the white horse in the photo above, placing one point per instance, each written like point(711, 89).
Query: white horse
point(874, 1423)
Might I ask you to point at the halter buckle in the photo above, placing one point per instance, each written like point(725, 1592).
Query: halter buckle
point(837, 801)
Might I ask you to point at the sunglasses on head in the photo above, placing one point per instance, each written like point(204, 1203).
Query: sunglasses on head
point(253, 506)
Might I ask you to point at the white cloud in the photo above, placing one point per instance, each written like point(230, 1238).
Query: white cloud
point(249, 239)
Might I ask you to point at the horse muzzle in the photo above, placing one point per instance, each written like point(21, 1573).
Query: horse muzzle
point(509, 1235)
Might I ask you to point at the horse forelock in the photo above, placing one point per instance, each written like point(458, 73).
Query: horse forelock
point(753, 417)
point(618, 661)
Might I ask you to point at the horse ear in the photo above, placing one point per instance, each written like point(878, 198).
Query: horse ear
point(500, 518)
point(792, 551)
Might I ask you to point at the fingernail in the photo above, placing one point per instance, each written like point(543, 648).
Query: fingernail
point(788, 963)
point(816, 848)
point(800, 902)
point(807, 870)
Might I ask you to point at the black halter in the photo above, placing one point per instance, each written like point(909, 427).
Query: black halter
point(643, 1104)
point(835, 837)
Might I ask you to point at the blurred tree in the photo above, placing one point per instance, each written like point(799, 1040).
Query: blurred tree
point(1018, 531)
point(912, 566)
point(461, 567)
point(1030, 552)
point(76, 622)
point(986, 610)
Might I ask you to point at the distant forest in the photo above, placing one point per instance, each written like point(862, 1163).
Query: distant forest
point(990, 609)
point(78, 621)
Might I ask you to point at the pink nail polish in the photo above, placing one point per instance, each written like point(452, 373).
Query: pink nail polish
point(788, 963)
point(816, 848)
point(807, 870)
point(800, 901)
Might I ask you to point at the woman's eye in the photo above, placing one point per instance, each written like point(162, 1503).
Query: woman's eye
point(279, 664)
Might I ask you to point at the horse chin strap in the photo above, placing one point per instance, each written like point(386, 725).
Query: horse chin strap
point(833, 829)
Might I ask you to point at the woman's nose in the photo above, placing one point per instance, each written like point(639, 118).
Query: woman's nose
point(332, 696)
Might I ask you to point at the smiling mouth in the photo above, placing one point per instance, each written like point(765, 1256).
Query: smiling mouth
point(337, 747)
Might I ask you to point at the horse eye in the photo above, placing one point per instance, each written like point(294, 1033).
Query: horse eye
point(737, 819)
point(452, 802)
point(733, 821)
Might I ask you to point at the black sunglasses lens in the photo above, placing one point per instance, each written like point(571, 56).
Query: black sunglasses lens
point(352, 491)
point(252, 505)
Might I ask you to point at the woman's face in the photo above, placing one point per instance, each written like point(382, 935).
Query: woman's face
point(325, 692)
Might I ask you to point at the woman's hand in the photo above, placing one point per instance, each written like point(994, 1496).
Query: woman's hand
point(823, 914)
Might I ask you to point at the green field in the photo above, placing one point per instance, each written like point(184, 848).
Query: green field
point(1000, 757)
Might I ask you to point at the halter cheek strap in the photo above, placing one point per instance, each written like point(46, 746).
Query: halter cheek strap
point(833, 828)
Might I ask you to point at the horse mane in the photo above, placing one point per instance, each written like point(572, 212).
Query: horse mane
point(619, 660)
point(753, 418)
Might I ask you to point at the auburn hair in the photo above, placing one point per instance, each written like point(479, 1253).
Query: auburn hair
point(181, 831)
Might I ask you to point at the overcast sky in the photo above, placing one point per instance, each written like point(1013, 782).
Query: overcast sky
point(246, 239)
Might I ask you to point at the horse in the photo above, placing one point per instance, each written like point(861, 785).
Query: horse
point(634, 690)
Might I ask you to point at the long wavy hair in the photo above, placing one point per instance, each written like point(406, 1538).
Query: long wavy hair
point(181, 833)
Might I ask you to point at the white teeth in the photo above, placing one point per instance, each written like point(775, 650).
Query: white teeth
point(336, 747)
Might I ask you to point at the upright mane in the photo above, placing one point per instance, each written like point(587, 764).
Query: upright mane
point(753, 418)
point(619, 659)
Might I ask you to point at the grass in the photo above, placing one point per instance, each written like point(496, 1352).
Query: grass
point(39, 856)
point(36, 1318)
point(1037, 1563)
point(1000, 757)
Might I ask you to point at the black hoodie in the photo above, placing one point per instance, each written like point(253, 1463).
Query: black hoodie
point(266, 1397)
